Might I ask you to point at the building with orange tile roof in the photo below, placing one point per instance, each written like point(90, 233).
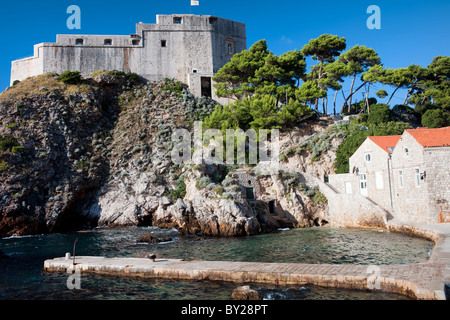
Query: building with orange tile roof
point(408, 175)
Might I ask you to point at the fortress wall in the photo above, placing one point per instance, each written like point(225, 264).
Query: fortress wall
point(28, 67)
point(183, 47)
point(94, 40)
point(86, 59)
point(226, 31)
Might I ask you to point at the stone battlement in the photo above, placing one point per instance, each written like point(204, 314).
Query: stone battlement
point(189, 48)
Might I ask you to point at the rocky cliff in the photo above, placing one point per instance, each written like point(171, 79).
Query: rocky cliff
point(98, 153)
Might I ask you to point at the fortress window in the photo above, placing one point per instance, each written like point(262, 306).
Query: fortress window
point(135, 42)
point(108, 42)
point(163, 43)
point(79, 42)
point(212, 20)
point(177, 20)
point(230, 48)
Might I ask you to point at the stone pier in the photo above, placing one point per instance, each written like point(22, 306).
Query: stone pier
point(421, 281)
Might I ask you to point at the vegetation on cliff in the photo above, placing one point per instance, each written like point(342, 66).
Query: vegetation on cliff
point(280, 92)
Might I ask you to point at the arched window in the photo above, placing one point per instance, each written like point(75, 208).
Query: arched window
point(230, 46)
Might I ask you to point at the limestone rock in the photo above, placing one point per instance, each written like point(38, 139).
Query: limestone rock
point(245, 293)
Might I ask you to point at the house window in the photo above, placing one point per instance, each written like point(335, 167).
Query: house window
point(108, 42)
point(250, 194)
point(368, 157)
point(363, 184)
point(379, 180)
point(400, 179)
point(79, 42)
point(406, 152)
point(163, 43)
point(348, 187)
point(177, 20)
point(417, 177)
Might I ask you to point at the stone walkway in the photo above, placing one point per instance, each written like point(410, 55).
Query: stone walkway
point(422, 281)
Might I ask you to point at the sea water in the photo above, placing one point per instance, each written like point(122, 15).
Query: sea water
point(22, 275)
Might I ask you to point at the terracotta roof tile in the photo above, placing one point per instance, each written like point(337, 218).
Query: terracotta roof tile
point(439, 137)
point(385, 142)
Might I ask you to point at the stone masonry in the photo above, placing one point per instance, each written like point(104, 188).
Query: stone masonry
point(189, 48)
point(410, 182)
point(423, 195)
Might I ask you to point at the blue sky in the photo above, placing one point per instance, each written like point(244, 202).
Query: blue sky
point(411, 31)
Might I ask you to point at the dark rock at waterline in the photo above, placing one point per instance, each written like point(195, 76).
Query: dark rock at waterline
point(245, 293)
point(151, 240)
point(3, 255)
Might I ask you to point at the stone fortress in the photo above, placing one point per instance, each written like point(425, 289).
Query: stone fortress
point(189, 48)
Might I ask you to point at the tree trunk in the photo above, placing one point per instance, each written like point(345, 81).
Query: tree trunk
point(407, 95)
point(392, 95)
point(334, 102)
point(351, 94)
point(367, 99)
point(343, 106)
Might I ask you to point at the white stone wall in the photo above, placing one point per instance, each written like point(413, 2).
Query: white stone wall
point(379, 192)
point(338, 182)
point(410, 201)
point(349, 210)
point(196, 46)
point(437, 178)
point(28, 67)
point(421, 199)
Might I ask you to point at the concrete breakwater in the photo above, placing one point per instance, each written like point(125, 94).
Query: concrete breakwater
point(422, 281)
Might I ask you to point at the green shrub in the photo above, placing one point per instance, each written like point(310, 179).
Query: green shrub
point(174, 86)
point(219, 190)
point(6, 143)
point(82, 165)
point(16, 149)
point(3, 166)
point(318, 197)
point(436, 118)
point(133, 77)
point(70, 77)
point(180, 191)
point(379, 113)
point(11, 125)
point(202, 183)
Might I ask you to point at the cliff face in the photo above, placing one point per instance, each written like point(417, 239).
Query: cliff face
point(98, 153)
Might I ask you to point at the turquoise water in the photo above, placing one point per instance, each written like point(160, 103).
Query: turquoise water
point(21, 275)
